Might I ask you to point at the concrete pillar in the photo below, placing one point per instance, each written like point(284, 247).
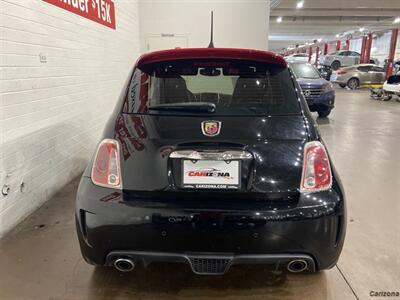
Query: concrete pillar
point(363, 45)
point(392, 51)
point(368, 47)
point(326, 48)
point(347, 45)
point(338, 45)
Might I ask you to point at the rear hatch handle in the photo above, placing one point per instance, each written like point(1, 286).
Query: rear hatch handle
point(212, 155)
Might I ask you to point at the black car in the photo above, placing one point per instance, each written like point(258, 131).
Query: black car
point(325, 71)
point(211, 158)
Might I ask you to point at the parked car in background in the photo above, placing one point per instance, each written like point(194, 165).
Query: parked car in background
point(343, 58)
point(340, 59)
point(319, 92)
point(391, 87)
point(374, 61)
point(325, 71)
point(303, 57)
point(211, 158)
point(358, 75)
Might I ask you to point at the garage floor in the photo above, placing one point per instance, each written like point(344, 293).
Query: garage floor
point(40, 259)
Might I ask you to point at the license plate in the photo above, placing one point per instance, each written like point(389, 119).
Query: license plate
point(333, 77)
point(211, 174)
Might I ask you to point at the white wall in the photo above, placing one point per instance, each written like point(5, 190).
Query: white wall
point(52, 113)
point(380, 46)
point(186, 23)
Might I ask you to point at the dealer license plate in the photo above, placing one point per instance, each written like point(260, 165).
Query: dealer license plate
point(210, 174)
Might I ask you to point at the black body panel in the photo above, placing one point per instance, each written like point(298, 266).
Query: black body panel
point(312, 224)
point(276, 144)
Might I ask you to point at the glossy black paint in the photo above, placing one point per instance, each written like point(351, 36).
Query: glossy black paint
point(268, 215)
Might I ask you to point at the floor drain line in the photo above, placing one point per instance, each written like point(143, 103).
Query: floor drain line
point(348, 283)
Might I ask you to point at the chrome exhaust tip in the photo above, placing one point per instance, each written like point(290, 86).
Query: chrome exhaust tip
point(124, 264)
point(297, 266)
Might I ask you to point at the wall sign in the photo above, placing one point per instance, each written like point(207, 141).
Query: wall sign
point(100, 11)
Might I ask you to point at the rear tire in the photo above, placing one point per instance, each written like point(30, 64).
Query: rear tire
point(387, 97)
point(342, 85)
point(324, 113)
point(335, 65)
point(353, 83)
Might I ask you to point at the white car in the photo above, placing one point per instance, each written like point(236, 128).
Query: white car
point(302, 57)
point(343, 58)
point(392, 86)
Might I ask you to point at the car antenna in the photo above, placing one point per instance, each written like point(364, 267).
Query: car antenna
point(211, 44)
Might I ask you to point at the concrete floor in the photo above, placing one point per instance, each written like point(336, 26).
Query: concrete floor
point(40, 259)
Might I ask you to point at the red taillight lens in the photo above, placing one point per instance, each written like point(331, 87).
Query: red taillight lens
point(341, 72)
point(106, 170)
point(317, 175)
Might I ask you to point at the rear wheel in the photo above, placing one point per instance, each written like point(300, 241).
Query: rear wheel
point(387, 97)
point(324, 113)
point(353, 83)
point(335, 65)
point(342, 85)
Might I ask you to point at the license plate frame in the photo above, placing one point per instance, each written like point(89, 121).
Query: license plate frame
point(222, 181)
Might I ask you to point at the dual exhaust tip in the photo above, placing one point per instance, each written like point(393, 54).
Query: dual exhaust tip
point(297, 266)
point(124, 264)
point(128, 265)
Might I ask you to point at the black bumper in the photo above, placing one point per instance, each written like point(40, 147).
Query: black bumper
point(110, 223)
point(211, 263)
point(323, 103)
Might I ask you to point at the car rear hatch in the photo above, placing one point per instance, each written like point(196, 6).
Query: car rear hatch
point(212, 126)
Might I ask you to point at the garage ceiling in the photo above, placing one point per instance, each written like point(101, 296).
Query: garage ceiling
point(326, 18)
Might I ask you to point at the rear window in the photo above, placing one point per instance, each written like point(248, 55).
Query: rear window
point(364, 68)
point(394, 79)
point(306, 71)
point(378, 69)
point(235, 87)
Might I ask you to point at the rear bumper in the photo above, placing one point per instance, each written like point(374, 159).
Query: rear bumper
point(210, 263)
point(340, 80)
point(323, 103)
point(391, 89)
point(110, 224)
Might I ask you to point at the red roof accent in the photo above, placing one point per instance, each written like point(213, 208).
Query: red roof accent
point(228, 53)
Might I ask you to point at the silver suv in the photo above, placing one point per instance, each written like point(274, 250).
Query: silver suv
point(358, 75)
point(339, 59)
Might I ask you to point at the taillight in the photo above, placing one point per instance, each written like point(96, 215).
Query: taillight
point(106, 170)
point(317, 175)
point(341, 72)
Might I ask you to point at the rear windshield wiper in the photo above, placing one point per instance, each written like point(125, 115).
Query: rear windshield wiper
point(186, 106)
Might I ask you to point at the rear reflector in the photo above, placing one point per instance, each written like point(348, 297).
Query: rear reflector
point(106, 170)
point(317, 175)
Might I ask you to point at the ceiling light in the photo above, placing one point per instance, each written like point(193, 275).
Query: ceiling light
point(362, 29)
point(397, 20)
point(338, 35)
point(319, 40)
point(300, 4)
point(279, 19)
